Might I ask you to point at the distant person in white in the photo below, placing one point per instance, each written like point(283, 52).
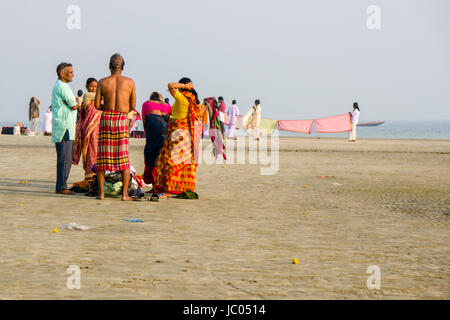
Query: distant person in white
point(48, 122)
point(355, 118)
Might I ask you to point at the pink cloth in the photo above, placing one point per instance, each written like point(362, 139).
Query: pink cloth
point(302, 126)
point(148, 107)
point(239, 124)
point(222, 107)
point(340, 123)
point(136, 117)
point(227, 119)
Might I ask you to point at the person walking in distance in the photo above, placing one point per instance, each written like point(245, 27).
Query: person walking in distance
point(233, 113)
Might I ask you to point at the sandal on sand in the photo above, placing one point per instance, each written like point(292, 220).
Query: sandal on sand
point(66, 192)
point(139, 197)
point(154, 197)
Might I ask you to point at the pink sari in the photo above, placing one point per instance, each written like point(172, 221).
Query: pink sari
point(86, 137)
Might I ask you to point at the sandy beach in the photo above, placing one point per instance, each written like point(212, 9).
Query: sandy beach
point(337, 207)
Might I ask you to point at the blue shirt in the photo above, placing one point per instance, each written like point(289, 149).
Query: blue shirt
point(64, 118)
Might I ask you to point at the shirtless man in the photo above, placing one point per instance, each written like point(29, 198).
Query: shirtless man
point(119, 98)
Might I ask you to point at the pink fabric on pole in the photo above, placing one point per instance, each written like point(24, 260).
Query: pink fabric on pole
point(340, 123)
point(227, 119)
point(301, 126)
point(239, 124)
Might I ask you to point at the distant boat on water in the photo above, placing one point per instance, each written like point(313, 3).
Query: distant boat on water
point(370, 124)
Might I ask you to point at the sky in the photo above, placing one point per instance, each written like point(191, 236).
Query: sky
point(302, 59)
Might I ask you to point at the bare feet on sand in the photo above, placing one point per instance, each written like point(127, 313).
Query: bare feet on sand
point(126, 198)
point(101, 196)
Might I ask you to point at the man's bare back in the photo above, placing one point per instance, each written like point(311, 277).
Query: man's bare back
point(118, 93)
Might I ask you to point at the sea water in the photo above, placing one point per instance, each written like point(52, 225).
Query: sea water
point(439, 129)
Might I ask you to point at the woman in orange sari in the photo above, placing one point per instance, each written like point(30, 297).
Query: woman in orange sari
point(177, 163)
point(86, 137)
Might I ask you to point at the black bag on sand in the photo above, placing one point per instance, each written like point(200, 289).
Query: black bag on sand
point(8, 130)
point(93, 188)
point(187, 195)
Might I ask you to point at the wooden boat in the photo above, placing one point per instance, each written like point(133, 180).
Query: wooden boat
point(370, 124)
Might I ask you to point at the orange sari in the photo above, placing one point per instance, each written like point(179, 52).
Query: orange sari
point(177, 163)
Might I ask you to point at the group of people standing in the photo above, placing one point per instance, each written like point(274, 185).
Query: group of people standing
point(173, 135)
point(100, 137)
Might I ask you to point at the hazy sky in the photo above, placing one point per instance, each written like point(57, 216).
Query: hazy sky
point(303, 59)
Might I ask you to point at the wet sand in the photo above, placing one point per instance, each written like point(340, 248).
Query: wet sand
point(389, 209)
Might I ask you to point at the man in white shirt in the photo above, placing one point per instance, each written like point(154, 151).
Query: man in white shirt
point(233, 113)
point(355, 118)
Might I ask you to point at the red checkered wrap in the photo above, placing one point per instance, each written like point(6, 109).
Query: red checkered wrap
point(112, 152)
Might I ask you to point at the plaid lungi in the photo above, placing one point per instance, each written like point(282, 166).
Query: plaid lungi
point(112, 152)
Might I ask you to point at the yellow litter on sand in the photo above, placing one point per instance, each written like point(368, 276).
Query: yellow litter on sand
point(20, 182)
point(295, 261)
point(20, 204)
point(55, 230)
point(26, 181)
point(306, 186)
point(170, 220)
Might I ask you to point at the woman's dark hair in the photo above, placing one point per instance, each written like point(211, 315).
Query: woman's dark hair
point(257, 102)
point(185, 80)
point(154, 96)
point(166, 100)
point(355, 106)
point(233, 102)
point(79, 93)
point(90, 80)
